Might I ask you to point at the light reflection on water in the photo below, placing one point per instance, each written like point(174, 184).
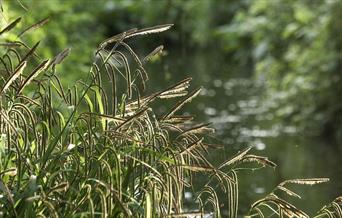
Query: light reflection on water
point(237, 109)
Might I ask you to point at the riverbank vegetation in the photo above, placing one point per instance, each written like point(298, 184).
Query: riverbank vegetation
point(99, 147)
point(292, 45)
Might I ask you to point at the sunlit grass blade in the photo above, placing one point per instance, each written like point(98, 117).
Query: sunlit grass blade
point(10, 26)
point(34, 26)
point(14, 76)
point(310, 181)
point(60, 56)
point(236, 158)
point(156, 51)
point(118, 37)
point(264, 161)
point(41, 67)
point(31, 51)
point(150, 30)
point(180, 104)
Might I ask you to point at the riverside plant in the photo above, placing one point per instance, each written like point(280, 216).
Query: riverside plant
point(94, 151)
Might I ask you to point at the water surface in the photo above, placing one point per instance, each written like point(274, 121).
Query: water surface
point(236, 106)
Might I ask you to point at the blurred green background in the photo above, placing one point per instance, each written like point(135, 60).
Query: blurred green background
point(271, 73)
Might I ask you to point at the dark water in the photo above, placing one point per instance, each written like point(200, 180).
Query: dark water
point(242, 116)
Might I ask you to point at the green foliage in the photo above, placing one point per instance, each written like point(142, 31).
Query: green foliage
point(293, 45)
point(98, 148)
point(70, 21)
point(296, 49)
point(86, 150)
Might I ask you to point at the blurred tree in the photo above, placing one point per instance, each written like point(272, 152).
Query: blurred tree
point(83, 24)
point(71, 24)
point(296, 47)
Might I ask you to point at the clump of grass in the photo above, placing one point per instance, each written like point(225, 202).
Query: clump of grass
point(98, 148)
point(278, 206)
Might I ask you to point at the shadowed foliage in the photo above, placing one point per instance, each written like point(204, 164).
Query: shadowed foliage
point(98, 148)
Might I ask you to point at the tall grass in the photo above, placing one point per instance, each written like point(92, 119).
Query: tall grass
point(97, 149)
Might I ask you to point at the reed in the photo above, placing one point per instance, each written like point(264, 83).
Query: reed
point(98, 149)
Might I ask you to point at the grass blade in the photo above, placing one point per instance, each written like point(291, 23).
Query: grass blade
point(41, 67)
point(14, 76)
point(10, 26)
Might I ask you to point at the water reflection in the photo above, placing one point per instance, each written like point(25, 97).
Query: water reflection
point(235, 106)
